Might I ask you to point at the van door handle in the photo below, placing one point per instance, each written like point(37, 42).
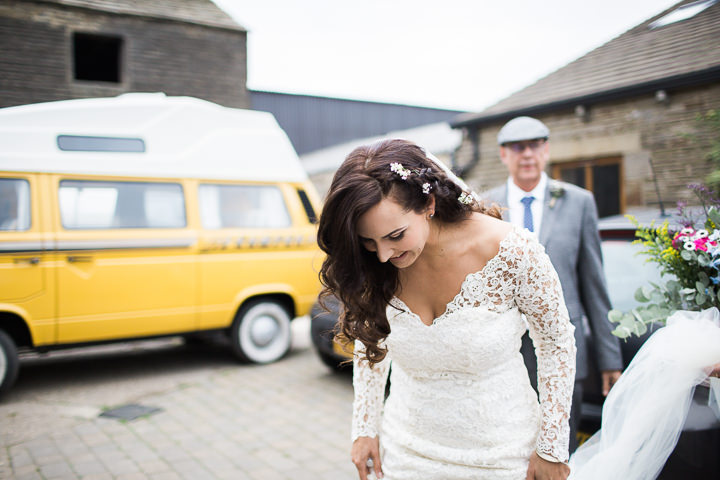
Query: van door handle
point(79, 258)
point(30, 260)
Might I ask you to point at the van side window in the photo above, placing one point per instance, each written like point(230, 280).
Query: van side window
point(309, 210)
point(242, 206)
point(105, 205)
point(14, 204)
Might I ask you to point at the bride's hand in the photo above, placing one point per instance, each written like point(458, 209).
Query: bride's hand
point(540, 469)
point(364, 449)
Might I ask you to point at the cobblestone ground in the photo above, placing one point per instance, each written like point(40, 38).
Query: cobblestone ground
point(219, 419)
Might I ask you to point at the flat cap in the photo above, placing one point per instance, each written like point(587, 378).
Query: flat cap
point(522, 128)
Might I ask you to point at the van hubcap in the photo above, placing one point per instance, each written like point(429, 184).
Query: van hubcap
point(264, 329)
point(3, 366)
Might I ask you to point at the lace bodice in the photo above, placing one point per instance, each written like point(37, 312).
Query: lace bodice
point(468, 361)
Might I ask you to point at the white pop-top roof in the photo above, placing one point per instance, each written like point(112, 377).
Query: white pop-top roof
point(182, 136)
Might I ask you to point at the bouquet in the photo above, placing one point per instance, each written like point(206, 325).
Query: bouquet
point(689, 257)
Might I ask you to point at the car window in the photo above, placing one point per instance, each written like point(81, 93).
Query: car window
point(242, 206)
point(14, 204)
point(105, 205)
point(626, 271)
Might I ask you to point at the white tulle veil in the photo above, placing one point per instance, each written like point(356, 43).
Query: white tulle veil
point(644, 413)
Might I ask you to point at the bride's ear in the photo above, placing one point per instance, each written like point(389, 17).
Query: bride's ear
point(430, 209)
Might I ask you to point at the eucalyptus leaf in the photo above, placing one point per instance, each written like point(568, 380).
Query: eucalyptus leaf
point(687, 255)
point(700, 287)
point(640, 296)
point(700, 298)
point(615, 316)
point(673, 286)
point(640, 328)
point(703, 278)
point(703, 260)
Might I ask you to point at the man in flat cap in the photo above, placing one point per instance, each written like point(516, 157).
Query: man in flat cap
point(565, 218)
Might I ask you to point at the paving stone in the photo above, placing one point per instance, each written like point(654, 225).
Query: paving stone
point(286, 420)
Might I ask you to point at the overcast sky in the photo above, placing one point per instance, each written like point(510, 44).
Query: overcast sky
point(458, 54)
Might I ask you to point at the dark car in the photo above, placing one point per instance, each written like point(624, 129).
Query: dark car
point(697, 454)
point(322, 332)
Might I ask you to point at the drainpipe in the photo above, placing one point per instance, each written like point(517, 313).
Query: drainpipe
point(461, 170)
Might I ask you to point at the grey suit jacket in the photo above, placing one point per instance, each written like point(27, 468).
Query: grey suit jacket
point(569, 233)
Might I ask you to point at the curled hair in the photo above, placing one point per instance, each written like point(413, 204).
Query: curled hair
point(363, 284)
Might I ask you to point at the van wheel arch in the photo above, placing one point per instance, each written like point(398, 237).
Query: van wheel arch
point(260, 332)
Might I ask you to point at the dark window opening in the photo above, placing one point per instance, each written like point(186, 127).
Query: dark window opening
point(603, 177)
point(96, 58)
point(309, 210)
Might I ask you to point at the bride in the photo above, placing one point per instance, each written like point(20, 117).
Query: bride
point(436, 285)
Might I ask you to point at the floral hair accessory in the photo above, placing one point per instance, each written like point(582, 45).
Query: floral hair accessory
point(400, 170)
point(426, 188)
point(465, 198)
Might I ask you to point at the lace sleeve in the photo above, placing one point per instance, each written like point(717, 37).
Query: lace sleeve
point(540, 298)
point(369, 385)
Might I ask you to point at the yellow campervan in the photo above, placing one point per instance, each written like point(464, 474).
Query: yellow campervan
point(146, 215)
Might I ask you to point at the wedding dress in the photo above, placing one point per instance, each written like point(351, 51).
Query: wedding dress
point(460, 404)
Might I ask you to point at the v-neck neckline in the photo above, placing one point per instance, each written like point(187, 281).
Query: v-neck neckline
point(451, 303)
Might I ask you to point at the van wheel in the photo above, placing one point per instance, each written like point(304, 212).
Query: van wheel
point(9, 363)
point(260, 332)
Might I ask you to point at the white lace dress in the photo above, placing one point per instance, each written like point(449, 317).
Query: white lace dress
point(460, 404)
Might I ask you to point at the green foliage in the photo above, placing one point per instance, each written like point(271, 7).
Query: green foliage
point(691, 258)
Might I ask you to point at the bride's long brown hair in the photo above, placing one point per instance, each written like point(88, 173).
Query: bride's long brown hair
point(363, 284)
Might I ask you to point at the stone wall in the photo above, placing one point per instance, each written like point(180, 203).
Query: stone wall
point(639, 130)
point(158, 55)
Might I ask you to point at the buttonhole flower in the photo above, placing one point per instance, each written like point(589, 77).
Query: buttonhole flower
point(556, 191)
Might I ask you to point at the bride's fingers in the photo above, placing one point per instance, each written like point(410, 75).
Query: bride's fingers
point(376, 465)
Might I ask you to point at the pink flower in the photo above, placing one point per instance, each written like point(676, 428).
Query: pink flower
point(700, 244)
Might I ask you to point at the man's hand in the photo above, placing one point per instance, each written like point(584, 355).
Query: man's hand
point(540, 469)
point(609, 378)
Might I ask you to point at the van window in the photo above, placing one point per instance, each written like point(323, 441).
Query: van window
point(242, 206)
point(307, 205)
point(14, 204)
point(98, 205)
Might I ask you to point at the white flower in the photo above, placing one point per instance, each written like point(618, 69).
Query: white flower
point(700, 234)
point(689, 245)
point(426, 188)
point(400, 170)
point(465, 198)
point(684, 231)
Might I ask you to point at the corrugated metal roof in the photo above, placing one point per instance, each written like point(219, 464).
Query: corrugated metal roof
point(203, 12)
point(641, 55)
point(314, 122)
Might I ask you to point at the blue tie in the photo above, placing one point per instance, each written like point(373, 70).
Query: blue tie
point(527, 218)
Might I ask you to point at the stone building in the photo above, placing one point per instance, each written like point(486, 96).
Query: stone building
point(623, 118)
point(63, 49)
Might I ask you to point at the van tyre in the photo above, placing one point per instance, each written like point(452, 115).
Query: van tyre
point(9, 363)
point(260, 332)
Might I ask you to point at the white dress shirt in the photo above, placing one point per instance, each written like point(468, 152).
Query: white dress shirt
point(516, 209)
